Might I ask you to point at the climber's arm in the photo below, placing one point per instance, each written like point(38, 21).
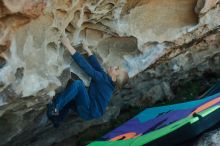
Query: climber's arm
point(80, 60)
point(92, 58)
point(66, 42)
point(94, 62)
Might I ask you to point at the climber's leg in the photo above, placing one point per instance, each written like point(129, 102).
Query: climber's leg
point(80, 105)
point(65, 97)
point(69, 94)
point(75, 92)
point(83, 102)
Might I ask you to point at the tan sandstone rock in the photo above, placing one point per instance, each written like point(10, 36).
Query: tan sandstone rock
point(154, 40)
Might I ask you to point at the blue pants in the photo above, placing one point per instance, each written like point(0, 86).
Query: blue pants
point(75, 92)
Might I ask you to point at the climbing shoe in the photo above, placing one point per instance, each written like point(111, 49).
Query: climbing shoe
point(51, 110)
point(52, 114)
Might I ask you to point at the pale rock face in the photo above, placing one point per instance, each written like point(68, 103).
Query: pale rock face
point(204, 6)
point(159, 38)
point(148, 27)
point(39, 25)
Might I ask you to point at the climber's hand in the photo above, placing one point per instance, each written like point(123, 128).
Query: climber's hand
point(85, 45)
point(86, 48)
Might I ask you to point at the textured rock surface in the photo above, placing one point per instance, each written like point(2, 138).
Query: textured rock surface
point(159, 43)
point(211, 138)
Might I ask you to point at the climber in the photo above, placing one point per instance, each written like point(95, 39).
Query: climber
point(92, 103)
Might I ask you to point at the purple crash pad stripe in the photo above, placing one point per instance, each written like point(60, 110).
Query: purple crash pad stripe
point(134, 125)
point(162, 120)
